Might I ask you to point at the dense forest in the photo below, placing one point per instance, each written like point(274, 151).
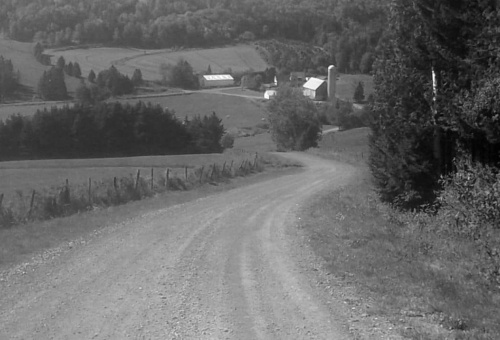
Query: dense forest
point(107, 130)
point(435, 143)
point(348, 30)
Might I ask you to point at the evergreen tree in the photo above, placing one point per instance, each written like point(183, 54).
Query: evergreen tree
point(137, 77)
point(51, 85)
point(359, 93)
point(61, 62)
point(92, 76)
point(77, 72)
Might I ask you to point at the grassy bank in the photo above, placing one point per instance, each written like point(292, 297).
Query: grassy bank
point(426, 283)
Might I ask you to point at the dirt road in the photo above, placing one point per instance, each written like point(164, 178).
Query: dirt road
point(220, 267)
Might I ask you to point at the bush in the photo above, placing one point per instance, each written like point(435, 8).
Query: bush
point(227, 141)
point(471, 206)
point(293, 120)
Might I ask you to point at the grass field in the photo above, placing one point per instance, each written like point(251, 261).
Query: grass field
point(346, 84)
point(43, 174)
point(426, 283)
point(238, 58)
point(234, 111)
point(29, 68)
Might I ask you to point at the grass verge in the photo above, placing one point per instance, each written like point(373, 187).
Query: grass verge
point(425, 282)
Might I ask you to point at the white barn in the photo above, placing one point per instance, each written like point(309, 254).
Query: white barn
point(216, 80)
point(315, 88)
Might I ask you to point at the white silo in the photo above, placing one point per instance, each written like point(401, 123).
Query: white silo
point(332, 83)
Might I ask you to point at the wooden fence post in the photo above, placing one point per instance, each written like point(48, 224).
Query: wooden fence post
point(213, 170)
point(167, 175)
point(201, 173)
point(90, 191)
point(186, 173)
point(1, 200)
point(31, 203)
point(255, 161)
point(115, 183)
point(137, 179)
point(152, 179)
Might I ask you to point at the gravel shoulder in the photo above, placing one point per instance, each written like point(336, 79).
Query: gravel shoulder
point(226, 266)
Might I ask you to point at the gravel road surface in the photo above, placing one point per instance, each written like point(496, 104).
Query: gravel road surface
point(221, 267)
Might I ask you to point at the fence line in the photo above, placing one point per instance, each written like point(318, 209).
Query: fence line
point(72, 200)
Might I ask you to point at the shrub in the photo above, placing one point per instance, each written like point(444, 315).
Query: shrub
point(227, 141)
point(471, 206)
point(293, 120)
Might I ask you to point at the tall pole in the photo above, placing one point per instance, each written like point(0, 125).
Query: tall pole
point(437, 131)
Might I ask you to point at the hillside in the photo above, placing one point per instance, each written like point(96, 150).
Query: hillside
point(21, 54)
point(349, 31)
point(237, 59)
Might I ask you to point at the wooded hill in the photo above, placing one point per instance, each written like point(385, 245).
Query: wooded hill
point(348, 30)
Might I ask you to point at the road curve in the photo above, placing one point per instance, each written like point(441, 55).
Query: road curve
point(220, 267)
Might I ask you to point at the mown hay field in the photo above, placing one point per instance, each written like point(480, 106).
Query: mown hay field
point(346, 84)
point(233, 110)
point(29, 68)
point(237, 58)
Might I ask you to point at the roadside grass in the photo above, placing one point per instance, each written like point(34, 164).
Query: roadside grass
point(110, 205)
point(424, 281)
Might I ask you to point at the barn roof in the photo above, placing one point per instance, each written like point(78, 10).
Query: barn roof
point(210, 77)
point(313, 83)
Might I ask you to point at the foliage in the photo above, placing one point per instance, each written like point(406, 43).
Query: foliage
point(137, 77)
point(359, 93)
point(227, 141)
point(92, 76)
point(293, 120)
point(8, 78)
point(471, 204)
point(348, 29)
point(179, 75)
point(252, 81)
point(107, 130)
point(206, 133)
point(112, 81)
point(52, 86)
point(42, 58)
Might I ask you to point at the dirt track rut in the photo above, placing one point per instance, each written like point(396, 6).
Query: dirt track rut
point(220, 267)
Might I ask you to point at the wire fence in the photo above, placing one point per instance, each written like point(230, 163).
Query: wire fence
point(71, 199)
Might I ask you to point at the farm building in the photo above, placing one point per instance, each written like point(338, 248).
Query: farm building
point(270, 93)
point(216, 80)
point(316, 89)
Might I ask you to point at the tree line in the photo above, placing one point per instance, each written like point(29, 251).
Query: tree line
point(348, 30)
point(9, 78)
point(436, 100)
point(107, 130)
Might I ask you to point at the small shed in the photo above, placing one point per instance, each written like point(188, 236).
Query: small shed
point(270, 93)
point(216, 80)
point(316, 89)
